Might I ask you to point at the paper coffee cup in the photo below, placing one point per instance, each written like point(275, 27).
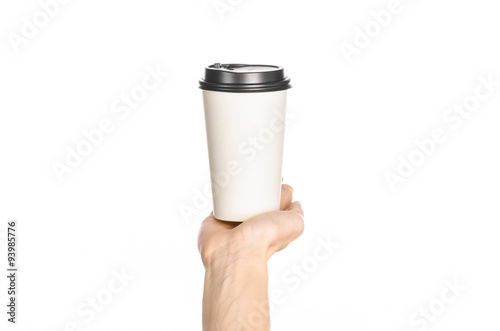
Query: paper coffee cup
point(245, 109)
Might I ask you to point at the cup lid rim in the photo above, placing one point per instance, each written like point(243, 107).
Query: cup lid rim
point(236, 77)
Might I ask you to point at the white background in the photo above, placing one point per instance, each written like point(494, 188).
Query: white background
point(119, 209)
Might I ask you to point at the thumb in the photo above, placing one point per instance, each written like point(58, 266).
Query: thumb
point(289, 225)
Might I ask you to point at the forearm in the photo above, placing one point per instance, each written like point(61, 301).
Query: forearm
point(235, 294)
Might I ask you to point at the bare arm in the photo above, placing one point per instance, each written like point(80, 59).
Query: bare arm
point(235, 258)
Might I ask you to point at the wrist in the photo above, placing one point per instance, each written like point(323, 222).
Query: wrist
point(235, 251)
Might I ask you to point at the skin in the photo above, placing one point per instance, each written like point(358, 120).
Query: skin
point(235, 257)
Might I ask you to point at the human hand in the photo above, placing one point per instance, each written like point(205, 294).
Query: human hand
point(263, 234)
point(235, 258)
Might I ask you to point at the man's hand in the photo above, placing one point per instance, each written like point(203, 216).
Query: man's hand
point(235, 258)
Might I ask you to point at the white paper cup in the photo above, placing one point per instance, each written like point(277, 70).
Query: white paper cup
point(245, 124)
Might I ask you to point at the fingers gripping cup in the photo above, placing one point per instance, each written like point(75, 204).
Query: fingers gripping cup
point(245, 109)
